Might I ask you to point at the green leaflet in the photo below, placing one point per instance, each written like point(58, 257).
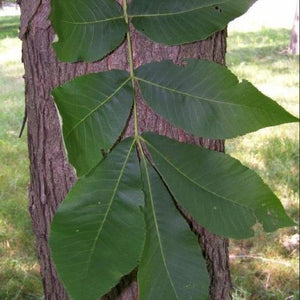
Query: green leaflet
point(97, 234)
point(207, 100)
point(94, 110)
point(158, 7)
point(172, 266)
point(87, 30)
point(177, 23)
point(218, 191)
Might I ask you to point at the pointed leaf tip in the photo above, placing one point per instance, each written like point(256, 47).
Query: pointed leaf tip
point(206, 99)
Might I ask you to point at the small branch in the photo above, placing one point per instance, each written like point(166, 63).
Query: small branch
point(23, 123)
point(267, 285)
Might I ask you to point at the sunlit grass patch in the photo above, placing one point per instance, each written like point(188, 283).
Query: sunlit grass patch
point(19, 270)
point(10, 51)
point(21, 279)
point(9, 26)
point(269, 279)
point(273, 153)
point(19, 274)
point(266, 266)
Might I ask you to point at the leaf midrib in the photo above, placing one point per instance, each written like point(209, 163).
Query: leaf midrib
point(194, 182)
point(187, 94)
point(108, 208)
point(97, 107)
point(157, 229)
point(143, 15)
point(93, 22)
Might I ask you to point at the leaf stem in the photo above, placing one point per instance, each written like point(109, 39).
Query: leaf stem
point(131, 66)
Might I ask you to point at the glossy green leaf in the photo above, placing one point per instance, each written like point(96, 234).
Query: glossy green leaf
point(217, 190)
point(178, 22)
point(172, 266)
point(87, 30)
point(94, 110)
point(97, 234)
point(207, 100)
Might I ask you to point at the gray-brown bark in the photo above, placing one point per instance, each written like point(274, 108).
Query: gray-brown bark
point(52, 177)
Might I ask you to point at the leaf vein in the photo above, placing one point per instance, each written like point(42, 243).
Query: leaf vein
point(157, 229)
point(98, 106)
point(185, 93)
point(109, 206)
point(191, 180)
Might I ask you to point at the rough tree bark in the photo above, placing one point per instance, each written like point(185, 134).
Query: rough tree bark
point(51, 175)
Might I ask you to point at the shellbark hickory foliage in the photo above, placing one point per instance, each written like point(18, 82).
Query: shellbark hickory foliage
point(121, 213)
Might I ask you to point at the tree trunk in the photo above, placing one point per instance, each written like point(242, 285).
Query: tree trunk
point(52, 176)
point(294, 43)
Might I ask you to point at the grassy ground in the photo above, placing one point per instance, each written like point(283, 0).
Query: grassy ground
point(265, 267)
point(19, 270)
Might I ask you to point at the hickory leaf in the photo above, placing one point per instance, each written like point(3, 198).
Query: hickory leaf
point(98, 231)
point(178, 22)
point(217, 190)
point(103, 230)
point(94, 110)
point(207, 100)
point(87, 30)
point(172, 266)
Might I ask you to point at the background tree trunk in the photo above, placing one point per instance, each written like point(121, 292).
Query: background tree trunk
point(294, 43)
point(52, 176)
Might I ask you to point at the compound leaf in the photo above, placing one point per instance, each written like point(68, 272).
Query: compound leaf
point(94, 110)
point(172, 266)
point(217, 190)
point(207, 100)
point(97, 234)
point(178, 22)
point(87, 30)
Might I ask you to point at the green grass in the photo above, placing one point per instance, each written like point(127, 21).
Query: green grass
point(9, 27)
point(262, 267)
point(19, 270)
